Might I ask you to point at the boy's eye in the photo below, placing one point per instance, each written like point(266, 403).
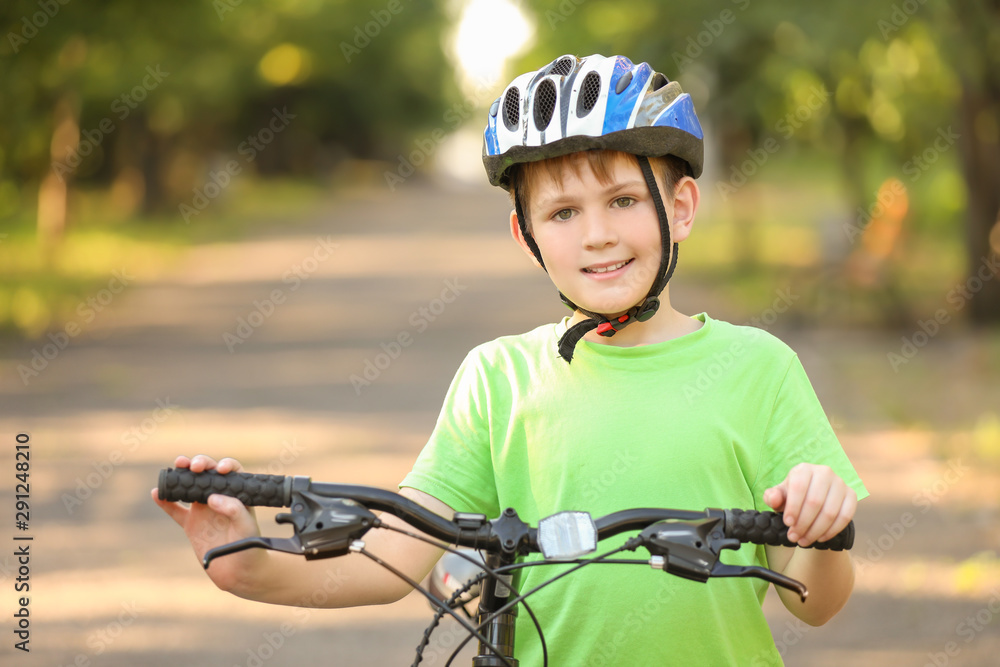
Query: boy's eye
point(624, 202)
point(564, 214)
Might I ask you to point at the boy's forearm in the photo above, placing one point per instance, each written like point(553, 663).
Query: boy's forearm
point(829, 576)
point(347, 581)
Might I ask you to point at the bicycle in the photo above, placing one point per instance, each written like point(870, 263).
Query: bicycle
point(329, 520)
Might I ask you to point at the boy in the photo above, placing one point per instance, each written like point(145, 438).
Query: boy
point(609, 408)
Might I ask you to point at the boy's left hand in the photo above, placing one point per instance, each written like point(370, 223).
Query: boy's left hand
point(816, 502)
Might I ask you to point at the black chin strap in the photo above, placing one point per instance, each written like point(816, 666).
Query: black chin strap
point(642, 311)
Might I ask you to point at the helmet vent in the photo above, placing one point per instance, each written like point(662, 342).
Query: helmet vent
point(659, 81)
point(589, 92)
point(512, 108)
point(562, 67)
point(545, 103)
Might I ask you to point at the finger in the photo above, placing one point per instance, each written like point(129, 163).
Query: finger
point(245, 518)
point(228, 465)
point(182, 462)
point(796, 485)
point(814, 503)
point(828, 515)
point(201, 463)
point(775, 497)
point(173, 510)
point(847, 510)
point(225, 505)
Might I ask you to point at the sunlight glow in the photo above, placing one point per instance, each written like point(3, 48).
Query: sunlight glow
point(488, 34)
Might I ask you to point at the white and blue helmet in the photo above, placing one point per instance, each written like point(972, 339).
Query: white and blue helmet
point(574, 104)
point(595, 103)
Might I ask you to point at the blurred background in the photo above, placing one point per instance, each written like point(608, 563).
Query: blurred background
point(262, 229)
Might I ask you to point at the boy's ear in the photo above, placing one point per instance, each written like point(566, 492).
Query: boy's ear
point(687, 195)
point(515, 232)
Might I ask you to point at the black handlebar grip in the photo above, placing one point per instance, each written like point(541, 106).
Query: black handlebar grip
point(769, 528)
point(250, 489)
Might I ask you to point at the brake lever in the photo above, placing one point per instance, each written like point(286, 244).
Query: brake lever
point(289, 545)
point(324, 528)
point(770, 576)
point(691, 549)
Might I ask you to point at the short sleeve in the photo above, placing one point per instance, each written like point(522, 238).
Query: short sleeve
point(455, 466)
point(798, 431)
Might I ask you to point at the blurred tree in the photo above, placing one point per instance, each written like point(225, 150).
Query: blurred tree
point(150, 99)
point(976, 56)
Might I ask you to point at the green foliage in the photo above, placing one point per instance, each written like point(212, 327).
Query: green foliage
point(361, 79)
point(754, 70)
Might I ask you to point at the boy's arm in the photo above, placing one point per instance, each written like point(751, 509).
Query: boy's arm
point(817, 505)
point(266, 576)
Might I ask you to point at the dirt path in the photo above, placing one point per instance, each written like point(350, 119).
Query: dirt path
point(249, 349)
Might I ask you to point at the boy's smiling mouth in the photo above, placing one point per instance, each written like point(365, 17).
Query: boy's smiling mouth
point(607, 268)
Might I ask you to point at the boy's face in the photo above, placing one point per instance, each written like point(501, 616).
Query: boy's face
point(600, 241)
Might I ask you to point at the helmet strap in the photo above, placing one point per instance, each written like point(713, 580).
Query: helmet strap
point(522, 222)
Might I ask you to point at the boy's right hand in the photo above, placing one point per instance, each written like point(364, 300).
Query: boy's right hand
point(223, 520)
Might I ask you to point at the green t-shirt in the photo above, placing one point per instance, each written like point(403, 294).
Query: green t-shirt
point(710, 419)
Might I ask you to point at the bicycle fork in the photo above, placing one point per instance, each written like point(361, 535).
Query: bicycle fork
point(500, 629)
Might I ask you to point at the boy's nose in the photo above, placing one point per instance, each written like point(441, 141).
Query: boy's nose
point(599, 231)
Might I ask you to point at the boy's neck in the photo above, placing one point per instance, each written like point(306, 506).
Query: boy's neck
point(666, 325)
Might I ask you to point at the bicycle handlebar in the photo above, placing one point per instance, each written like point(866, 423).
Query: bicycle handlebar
point(330, 520)
point(766, 528)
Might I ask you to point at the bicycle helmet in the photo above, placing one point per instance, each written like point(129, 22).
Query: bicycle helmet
point(595, 103)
